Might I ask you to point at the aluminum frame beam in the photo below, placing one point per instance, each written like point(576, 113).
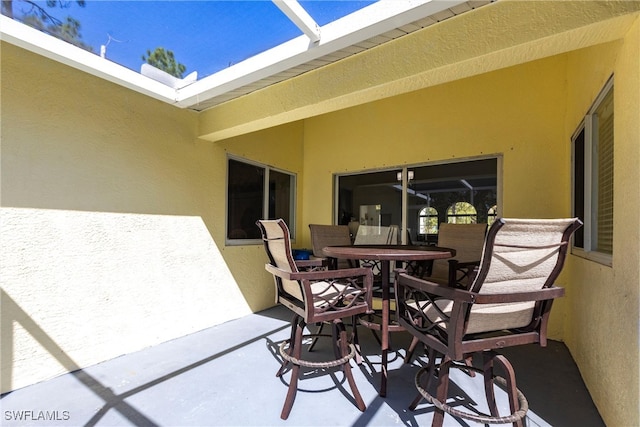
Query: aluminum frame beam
point(299, 16)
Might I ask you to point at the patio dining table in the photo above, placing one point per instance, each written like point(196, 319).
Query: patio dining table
point(385, 254)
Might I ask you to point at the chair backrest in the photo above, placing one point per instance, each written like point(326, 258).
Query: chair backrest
point(328, 235)
point(277, 244)
point(466, 239)
point(394, 235)
point(376, 235)
point(522, 255)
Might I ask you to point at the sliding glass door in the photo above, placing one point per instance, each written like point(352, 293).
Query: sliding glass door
point(419, 198)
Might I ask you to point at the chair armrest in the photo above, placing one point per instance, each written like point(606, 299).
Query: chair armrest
point(359, 278)
point(426, 286)
point(538, 295)
point(461, 295)
point(318, 275)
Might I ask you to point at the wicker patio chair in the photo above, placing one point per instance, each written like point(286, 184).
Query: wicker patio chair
point(314, 297)
point(508, 304)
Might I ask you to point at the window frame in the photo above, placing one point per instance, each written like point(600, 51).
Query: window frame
point(587, 134)
point(404, 175)
point(452, 218)
point(428, 216)
point(265, 199)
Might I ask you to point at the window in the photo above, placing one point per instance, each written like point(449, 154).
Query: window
point(417, 197)
point(593, 179)
point(462, 213)
point(428, 221)
point(255, 192)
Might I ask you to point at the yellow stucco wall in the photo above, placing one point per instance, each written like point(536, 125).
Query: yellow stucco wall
point(513, 113)
point(603, 310)
point(280, 147)
point(114, 194)
point(527, 114)
point(111, 239)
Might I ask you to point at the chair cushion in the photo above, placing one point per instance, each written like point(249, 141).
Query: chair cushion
point(292, 287)
point(325, 293)
point(483, 317)
point(466, 239)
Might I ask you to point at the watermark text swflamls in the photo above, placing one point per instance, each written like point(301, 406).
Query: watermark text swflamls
point(33, 415)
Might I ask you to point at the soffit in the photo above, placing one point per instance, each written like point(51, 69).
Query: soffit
point(445, 10)
point(503, 34)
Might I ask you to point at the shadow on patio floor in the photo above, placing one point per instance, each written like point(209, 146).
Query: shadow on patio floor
point(225, 376)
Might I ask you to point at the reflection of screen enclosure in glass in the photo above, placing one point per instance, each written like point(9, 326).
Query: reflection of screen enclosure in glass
point(461, 192)
point(249, 200)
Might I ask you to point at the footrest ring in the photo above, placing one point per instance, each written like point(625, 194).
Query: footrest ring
point(481, 418)
point(319, 365)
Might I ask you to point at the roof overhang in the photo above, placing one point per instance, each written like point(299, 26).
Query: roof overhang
point(357, 27)
point(316, 43)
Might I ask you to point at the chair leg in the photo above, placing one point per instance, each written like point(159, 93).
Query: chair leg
point(296, 351)
point(517, 401)
point(469, 362)
point(344, 351)
point(412, 347)
point(431, 375)
point(315, 339)
point(335, 333)
point(510, 378)
point(443, 390)
point(487, 369)
point(285, 363)
point(356, 340)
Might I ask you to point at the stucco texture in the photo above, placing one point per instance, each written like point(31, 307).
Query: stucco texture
point(488, 115)
point(603, 311)
point(106, 222)
point(113, 205)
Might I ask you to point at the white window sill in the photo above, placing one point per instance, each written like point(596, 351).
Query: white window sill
point(599, 257)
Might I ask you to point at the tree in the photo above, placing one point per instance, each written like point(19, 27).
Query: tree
point(38, 17)
point(164, 60)
point(37, 10)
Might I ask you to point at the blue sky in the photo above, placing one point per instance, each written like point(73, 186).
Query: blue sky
point(205, 35)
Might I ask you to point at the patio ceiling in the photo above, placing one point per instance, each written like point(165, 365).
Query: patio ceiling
point(318, 46)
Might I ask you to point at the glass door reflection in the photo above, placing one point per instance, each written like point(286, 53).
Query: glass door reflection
point(457, 192)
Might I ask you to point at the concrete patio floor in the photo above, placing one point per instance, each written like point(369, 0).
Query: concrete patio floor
point(225, 376)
